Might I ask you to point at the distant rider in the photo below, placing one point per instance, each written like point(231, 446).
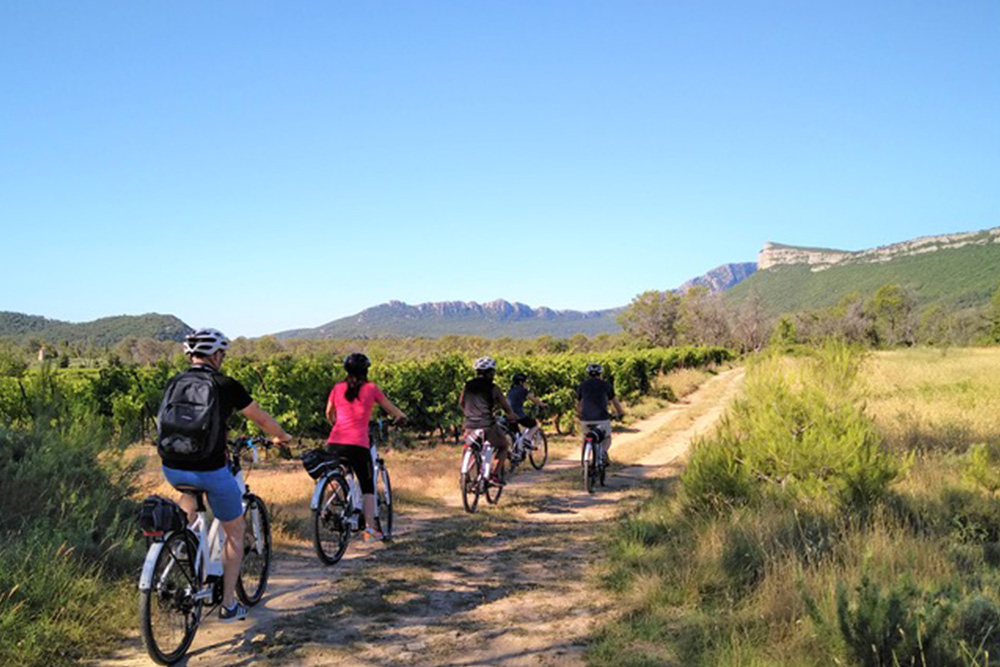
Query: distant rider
point(592, 398)
point(206, 349)
point(516, 396)
point(349, 409)
point(479, 400)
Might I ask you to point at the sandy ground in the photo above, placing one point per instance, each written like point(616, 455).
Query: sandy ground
point(513, 584)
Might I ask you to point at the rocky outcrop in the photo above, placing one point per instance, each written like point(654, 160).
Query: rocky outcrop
point(818, 259)
point(722, 277)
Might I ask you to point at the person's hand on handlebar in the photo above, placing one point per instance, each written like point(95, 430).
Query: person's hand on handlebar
point(280, 440)
point(400, 420)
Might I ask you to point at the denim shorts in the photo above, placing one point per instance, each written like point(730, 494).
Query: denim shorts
point(220, 487)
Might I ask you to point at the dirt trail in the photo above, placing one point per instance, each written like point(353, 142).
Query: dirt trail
point(512, 584)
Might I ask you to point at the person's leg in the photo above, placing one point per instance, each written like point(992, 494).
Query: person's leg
point(232, 559)
point(364, 470)
point(226, 500)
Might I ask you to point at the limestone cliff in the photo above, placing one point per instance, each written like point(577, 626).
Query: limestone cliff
point(818, 259)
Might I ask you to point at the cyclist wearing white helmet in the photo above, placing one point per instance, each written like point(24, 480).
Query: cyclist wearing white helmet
point(198, 459)
point(592, 398)
point(479, 399)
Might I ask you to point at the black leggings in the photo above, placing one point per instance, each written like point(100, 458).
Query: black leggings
point(360, 460)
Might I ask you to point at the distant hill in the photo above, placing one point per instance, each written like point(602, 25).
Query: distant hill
point(722, 278)
point(493, 319)
point(956, 270)
point(103, 331)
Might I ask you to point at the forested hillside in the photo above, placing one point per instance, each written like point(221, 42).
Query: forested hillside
point(954, 277)
point(104, 331)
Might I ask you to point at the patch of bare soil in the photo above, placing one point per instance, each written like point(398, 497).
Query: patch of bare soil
point(513, 584)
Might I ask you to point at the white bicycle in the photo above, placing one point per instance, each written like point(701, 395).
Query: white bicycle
point(337, 502)
point(535, 448)
point(183, 568)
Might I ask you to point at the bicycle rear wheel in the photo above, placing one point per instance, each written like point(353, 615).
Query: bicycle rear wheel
point(540, 454)
point(493, 491)
point(589, 468)
point(331, 528)
point(470, 484)
point(168, 612)
point(256, 567)
point(383, 504)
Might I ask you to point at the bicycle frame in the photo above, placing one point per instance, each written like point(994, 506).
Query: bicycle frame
point(354, 495)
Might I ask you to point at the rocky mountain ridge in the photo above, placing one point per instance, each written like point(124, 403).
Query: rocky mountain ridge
point(820, 259)
point(722, 278)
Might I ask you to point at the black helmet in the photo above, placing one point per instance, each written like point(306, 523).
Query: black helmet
point(594, 369)
point(519, 377)
point(356, 364)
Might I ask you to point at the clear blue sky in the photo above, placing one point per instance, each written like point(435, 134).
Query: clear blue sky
point(262, 166)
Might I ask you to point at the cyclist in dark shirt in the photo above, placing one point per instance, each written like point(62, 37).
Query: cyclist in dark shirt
point(517, 395)
point(592, 398)
point(206, 348)
point(479, 399)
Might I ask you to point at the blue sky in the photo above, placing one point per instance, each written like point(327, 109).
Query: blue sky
point(263, 166)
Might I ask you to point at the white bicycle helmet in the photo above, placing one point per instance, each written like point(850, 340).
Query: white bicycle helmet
point(594, 369)
point(205, 342)
point(485, 364)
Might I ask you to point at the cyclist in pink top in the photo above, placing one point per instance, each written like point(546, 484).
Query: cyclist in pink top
point(349, 409)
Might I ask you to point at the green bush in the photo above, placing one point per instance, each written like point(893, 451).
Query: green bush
point(797, 431)
point(900, 626)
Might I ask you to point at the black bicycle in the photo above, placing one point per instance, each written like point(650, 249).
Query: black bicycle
point(593, 458)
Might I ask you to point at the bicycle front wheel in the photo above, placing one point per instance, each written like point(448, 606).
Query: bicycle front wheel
point(256, 565)
point(540, 452)
point(168, 612)
point(383, 504)
point(331, 528)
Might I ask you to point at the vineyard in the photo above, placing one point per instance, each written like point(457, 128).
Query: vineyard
point(294, 389)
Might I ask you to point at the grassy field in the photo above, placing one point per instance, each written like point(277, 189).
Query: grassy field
point(845, 513)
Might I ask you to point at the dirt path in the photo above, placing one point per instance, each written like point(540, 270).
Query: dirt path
point(512, 584)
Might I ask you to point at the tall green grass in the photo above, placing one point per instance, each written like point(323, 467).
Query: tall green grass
point(798, 537)
point(68, 545)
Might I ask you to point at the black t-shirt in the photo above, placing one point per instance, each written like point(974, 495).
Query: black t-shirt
point(595, 394)
point(479, 398)
point(232, 397)
point(516, 396)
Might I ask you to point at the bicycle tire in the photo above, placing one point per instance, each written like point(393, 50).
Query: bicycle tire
point(589, 472)
point(331, 529)
point(494, 497)
point(169, 600)
point(470, 484)
point(540, 454)
point(383, 504)
point(256, 565)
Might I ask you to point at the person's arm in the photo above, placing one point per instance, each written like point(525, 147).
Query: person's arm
point(461, 399)
point(504, 405)
point(618, 407)
point(537, 401)
point(390, 407)
point(579, 403)
point(331, 411)
point(266, 423)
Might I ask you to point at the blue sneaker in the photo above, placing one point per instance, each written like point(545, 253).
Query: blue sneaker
point(235, 613)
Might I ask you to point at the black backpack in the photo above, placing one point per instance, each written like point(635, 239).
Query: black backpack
point(189, 423)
